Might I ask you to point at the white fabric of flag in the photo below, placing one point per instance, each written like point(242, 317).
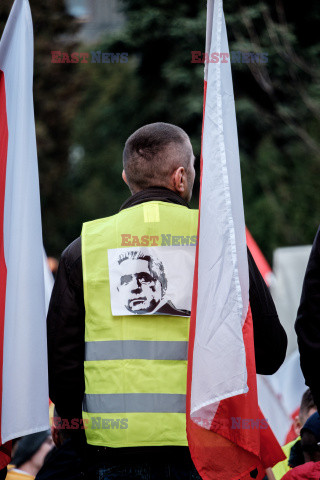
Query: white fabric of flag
point(25, 383)
point(219, 360)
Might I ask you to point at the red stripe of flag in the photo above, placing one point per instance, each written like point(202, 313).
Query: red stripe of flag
point(193, 316)
point(3, 268)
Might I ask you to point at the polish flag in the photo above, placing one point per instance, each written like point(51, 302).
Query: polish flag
point(227, 433)
point(23, 347)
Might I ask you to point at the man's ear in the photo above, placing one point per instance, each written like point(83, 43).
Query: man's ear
point(297, 425)
point(179, 179)
point(124, 177)
point(56, 436)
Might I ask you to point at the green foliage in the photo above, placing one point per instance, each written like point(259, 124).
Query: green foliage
point(278, 111)
point(277, 104)
point(159, 83)
point(106, 118)
point(56, 95)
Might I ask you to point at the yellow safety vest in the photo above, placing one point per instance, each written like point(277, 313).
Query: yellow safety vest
point(135, 365)
point(281, 468)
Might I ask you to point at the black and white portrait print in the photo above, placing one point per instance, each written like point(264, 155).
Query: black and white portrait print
point(151, 280)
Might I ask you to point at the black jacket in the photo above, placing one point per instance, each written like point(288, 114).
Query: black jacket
point(308, 322)
point(66, 320)
point(61, 463)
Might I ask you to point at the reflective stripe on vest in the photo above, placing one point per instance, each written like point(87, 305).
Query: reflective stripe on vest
point(135, 365)
point(134, 349)
point(134, 402)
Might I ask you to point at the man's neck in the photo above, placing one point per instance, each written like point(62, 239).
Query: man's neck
point(160, 194)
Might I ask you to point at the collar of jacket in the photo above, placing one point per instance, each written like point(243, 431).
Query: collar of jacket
point(160, 194)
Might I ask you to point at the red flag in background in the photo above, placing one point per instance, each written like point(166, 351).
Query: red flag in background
point(259, 258)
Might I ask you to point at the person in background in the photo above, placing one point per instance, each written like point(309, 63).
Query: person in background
point(293, 449)
point(5, 457)
point(53, 265)
point(307, 325)
point(307, 408)
point(29, 455)
point(62, 462)
point(310, 444)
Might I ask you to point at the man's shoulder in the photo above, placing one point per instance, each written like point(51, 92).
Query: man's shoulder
point(70, 266)
point(98, 225)
point(316, 242)
point(72, 253)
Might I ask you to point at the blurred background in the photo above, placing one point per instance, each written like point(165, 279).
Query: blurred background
point(85, 111)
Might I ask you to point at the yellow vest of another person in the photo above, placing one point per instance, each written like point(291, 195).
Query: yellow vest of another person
point(136, 363)
point(281, 468)
point(17, 475)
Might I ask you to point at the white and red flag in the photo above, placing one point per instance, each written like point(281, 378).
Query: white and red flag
point(227, 434)
point(23, 348)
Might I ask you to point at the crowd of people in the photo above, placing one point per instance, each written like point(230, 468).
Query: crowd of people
point(51, 455)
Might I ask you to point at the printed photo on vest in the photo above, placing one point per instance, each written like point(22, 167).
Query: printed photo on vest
point(151, 280)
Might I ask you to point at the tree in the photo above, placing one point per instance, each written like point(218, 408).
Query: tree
point(278, 119)
point(277, 110)
point(277, 103)
point(158, 83)
point(56, 95)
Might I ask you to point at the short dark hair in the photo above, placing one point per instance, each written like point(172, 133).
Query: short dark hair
point(307, 403)
point(147, 160)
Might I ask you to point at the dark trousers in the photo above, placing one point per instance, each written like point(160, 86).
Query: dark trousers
point(144, 471)
point(138, 463)
point(3, 473)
